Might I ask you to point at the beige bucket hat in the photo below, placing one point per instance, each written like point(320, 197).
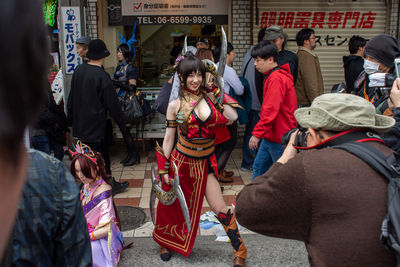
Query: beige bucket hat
point(341, 112)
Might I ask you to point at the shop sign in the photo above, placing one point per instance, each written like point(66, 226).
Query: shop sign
point(315, 20)
point(159, 12)
point(332, 20)
point(71, 28)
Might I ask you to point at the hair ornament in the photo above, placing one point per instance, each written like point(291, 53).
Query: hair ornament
point(85, 150)
point(131, 41)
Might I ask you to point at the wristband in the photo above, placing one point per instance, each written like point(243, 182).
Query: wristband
point(92, 237)
point(162, 161)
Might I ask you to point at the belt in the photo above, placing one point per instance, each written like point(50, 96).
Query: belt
point(195, 148)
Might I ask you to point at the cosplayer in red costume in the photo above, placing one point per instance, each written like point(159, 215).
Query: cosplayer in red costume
point(195, 116)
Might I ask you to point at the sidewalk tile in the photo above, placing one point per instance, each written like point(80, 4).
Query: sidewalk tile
point(133, 202)
point(130, 193)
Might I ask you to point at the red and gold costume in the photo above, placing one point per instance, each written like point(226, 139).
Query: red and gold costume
point(194, 156)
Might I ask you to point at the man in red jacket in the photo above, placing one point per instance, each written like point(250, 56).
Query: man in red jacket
point(277, 110)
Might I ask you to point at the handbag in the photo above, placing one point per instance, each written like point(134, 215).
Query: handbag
point(144, 103)
point(131, 108)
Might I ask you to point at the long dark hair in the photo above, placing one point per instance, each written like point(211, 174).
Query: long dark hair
point(127, 54)
point(188, 65)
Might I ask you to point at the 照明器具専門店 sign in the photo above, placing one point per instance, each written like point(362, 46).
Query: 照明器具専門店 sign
point(71, 29)
point(160, 12)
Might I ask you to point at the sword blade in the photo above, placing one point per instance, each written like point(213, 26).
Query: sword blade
point(152, 204)
point(185, 49)
point(221, 65)
point(181, 197)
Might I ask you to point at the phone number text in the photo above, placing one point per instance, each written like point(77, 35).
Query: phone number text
point(175, 19)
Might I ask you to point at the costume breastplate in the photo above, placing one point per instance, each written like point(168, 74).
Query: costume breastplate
point(187, 104)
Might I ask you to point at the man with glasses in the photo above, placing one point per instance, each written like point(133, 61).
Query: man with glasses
point(309, 82)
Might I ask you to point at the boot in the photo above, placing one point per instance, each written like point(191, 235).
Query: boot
point(116, 186)
point(226, 173)
point(224, 179)
point(133, 158)
point(228, 221)
point(125, 159)
point(165, 254)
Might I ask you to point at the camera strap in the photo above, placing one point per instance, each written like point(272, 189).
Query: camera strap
point(357, 135)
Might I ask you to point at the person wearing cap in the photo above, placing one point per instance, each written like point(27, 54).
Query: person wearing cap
point(276, 35)
point(379, 54)
point(82, 44)
point(202, 43)
point(309, 82)
point(92, 95)
point(326, 197)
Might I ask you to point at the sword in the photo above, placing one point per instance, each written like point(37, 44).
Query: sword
point(167, 198)
point(185, 49)
point(221, 66)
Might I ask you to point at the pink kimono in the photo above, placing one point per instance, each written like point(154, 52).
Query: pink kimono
point(99, 211)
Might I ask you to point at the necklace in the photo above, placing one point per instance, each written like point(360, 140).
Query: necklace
point(88, 189)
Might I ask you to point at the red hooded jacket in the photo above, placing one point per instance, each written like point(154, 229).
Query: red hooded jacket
point(278, 106)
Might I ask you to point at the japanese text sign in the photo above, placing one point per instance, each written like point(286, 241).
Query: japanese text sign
point(160, 12)
point(318, 20)
point(71, 28)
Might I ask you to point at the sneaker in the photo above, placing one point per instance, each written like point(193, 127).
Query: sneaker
point(243, 169)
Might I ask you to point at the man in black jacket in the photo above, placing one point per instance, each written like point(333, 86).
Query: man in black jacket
point(354, 63)
point(92, 95)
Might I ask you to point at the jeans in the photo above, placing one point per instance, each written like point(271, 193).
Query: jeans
point(268, 153)
point(249, 154)
point(46, 144)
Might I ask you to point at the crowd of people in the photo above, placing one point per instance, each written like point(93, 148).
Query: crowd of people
point(303, 187)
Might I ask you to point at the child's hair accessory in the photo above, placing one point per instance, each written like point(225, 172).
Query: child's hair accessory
point(81, 148)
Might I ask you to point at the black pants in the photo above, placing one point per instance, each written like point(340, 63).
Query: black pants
point(128, 139)
point(224, 150)
point(102, 147)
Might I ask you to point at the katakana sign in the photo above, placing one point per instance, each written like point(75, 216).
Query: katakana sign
point(71, 28)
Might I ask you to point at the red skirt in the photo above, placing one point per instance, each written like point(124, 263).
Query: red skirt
point(170, 229)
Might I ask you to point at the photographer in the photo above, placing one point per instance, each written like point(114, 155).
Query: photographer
point(392, 137)
point(326, 197)
point(379, 55)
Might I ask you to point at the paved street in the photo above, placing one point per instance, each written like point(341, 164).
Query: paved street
point(262, 251)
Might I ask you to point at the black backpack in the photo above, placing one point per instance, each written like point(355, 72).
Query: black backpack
point(388, 167)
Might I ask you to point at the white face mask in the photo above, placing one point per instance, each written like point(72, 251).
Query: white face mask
point(371, 67)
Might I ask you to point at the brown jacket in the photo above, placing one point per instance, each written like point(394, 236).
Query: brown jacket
point(309, 82)
point(329, 199)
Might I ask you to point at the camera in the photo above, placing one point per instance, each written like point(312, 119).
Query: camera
point(384, 81)
point(301, 137)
